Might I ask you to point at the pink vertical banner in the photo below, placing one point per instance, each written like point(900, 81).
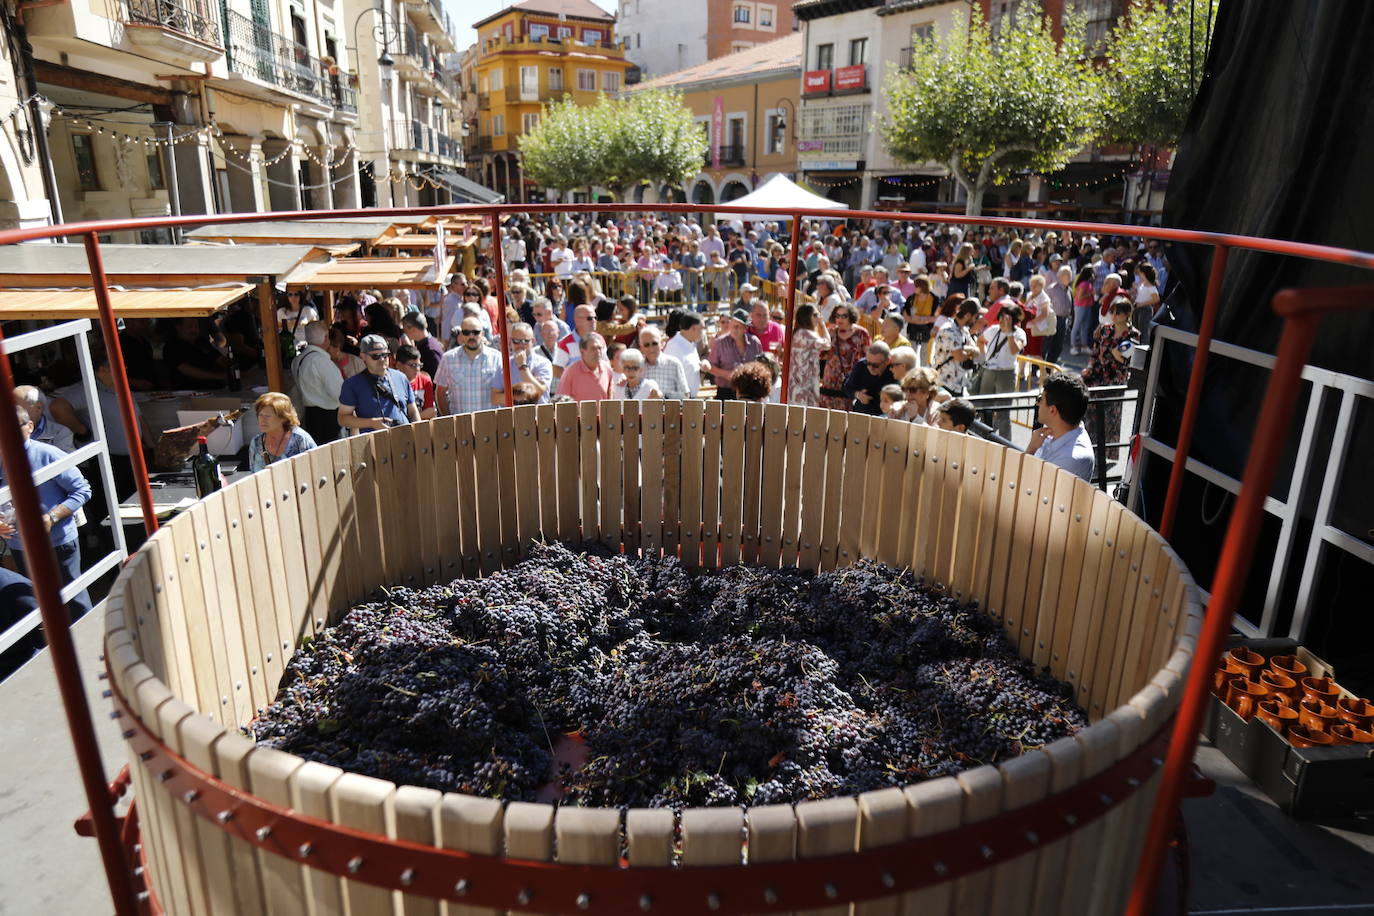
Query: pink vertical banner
point(717, 130)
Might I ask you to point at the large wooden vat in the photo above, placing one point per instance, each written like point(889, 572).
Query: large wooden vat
point(203, 618)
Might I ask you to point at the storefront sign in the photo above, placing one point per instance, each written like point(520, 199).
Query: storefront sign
point(850, 78)
point(830, 166)
point(717, 130)
point(810, 146)
point(815, 82)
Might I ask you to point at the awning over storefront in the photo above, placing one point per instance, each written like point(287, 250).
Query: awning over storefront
point(52, 304)
point(375, 273)
point(465, 189)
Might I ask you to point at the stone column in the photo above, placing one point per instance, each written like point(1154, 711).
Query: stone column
point(346, 193)
point(245, 179)
point(322, 174)
point(195, 179)
point(283, 187)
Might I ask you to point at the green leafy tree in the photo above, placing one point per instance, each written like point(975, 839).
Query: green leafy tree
point(988, 108)
point(1154, 65)
point(615, 143)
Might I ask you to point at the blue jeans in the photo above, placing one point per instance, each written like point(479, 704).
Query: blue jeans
point(69, 568)
point(1084, 324)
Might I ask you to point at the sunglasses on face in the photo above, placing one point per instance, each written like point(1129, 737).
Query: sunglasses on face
point(374, 355)
point(411, 365)
point(468, 333)
point(522, 340)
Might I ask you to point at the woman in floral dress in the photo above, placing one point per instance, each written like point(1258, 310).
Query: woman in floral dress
point(848, 345)
point(1109, 365)
point(809, 340)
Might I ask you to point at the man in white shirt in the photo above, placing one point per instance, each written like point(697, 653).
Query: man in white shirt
point(666, 371)
point(1063, 441)
point(561, 257)
point(999, 345)
point(513, 248)
point(319, 381)
point(683, 346)
point(712, 242)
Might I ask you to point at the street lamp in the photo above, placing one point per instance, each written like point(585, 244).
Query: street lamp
point(382, 35)
point(780, 128)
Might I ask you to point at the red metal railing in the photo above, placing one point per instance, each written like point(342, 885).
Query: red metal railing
point(1300, 312)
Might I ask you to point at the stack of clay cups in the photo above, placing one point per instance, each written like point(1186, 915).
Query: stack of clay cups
point(1307, 711)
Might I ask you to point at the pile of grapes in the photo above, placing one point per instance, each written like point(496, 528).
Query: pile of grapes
point(743, 686)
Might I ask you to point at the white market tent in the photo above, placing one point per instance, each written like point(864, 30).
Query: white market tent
point(779, 191)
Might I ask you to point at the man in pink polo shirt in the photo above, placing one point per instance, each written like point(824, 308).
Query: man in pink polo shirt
point(589, 378)
point(768, 331)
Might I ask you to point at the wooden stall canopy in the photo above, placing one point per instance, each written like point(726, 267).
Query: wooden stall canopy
point(341, 250)
point(374, 273)
point(35, 265)
point(308, 232)
point(52, 304)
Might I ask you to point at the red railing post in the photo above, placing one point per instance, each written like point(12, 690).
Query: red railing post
point(47, 589)
point(1206, 326)
point(1236, 554)
point(790, 322)
point(110, 331)
point(499, 258)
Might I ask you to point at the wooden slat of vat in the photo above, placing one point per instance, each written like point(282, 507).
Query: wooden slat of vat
point(712, 836)
point(611, 479)
point(311, 787)
point(466, 469)
point(1001, 571)
point(588, 836)
point(851, 493)
point(475, 825)
point(1126, 581)
point(773, 468)
point(158, 808)
point(283, 881)
point(1114, 615)
point(1170, 611)
point(968, 540)
point(300, 614)
point(827, 828)
point(257, 603)
point(294, 479)
point(448, 535)
point(1120, 822)
point(915, 543)
point(507, 485)
point(205, 643)
point(711, 484)
point(982, 799)
point(226, 890)
point(882, 822)
point(589, 507)
point(947, 477)
point(171, 716)
point(568, 468)
point(751, 491)
point(1088, 687)
point(268, 528)
point(816, 438)
point(989, 531)
point(672, 474)
point(417, 820)
point(629, 475)
point(892, 514)
point(367, 521)
point(1051, 614)
point(388, 446)
point(870, 507)
point(529, 831)
point(835, 446)
point(229, 755)
point(1027, 498)
point(772, 833)
point(651, 505)
point(366, 804)
point(1155, 708)
point(545, 420)
point(146, 613)
point(1099, 742)
point(220, 595)
point(487, 484)
point(649, 837)
point(1066, 765)
point(330, 475)
point(1063, 588)
point(238, 562)
point(1025, 780)
point(690, 503)
point(732, 483)
point(1085, 604)
point(1154, 572)
point(1144, 567)
point(166, 586)
point(934, 806)
point(423, 509)
point(794, 429)
point(1035, 571)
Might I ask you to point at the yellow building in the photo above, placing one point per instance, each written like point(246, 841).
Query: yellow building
point(530, 53)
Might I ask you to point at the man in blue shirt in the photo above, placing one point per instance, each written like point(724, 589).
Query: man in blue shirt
point(1062, 440)
point(379, 397)
point(59, 496)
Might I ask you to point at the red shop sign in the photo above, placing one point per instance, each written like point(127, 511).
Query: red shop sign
point(851, 77)
point(814, 81)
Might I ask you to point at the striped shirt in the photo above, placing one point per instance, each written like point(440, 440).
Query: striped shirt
point(470, 380)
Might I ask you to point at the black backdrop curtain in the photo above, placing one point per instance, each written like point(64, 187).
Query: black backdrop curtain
point(1280, 143)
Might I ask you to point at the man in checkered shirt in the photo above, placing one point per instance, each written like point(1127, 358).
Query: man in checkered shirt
point(661, 368)
point(469, 376)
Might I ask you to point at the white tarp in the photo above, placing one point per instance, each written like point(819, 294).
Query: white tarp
point(778, 191)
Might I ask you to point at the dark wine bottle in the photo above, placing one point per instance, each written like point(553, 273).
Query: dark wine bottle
point(235, 376)
point(205, 469)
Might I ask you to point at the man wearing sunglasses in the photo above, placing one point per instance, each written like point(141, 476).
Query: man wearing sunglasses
point(469, 376)
point(379, 397)
point(526, 364)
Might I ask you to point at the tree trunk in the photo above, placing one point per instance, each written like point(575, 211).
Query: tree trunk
point(973, 199)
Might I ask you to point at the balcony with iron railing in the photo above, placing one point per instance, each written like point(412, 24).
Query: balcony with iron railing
point(731, 155)
point(411, 135)
point(433, 21)
point(182, 31)
point(615, 49)
point(255, 50)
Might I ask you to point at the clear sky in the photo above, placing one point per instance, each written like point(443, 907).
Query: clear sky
point(465, 12)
